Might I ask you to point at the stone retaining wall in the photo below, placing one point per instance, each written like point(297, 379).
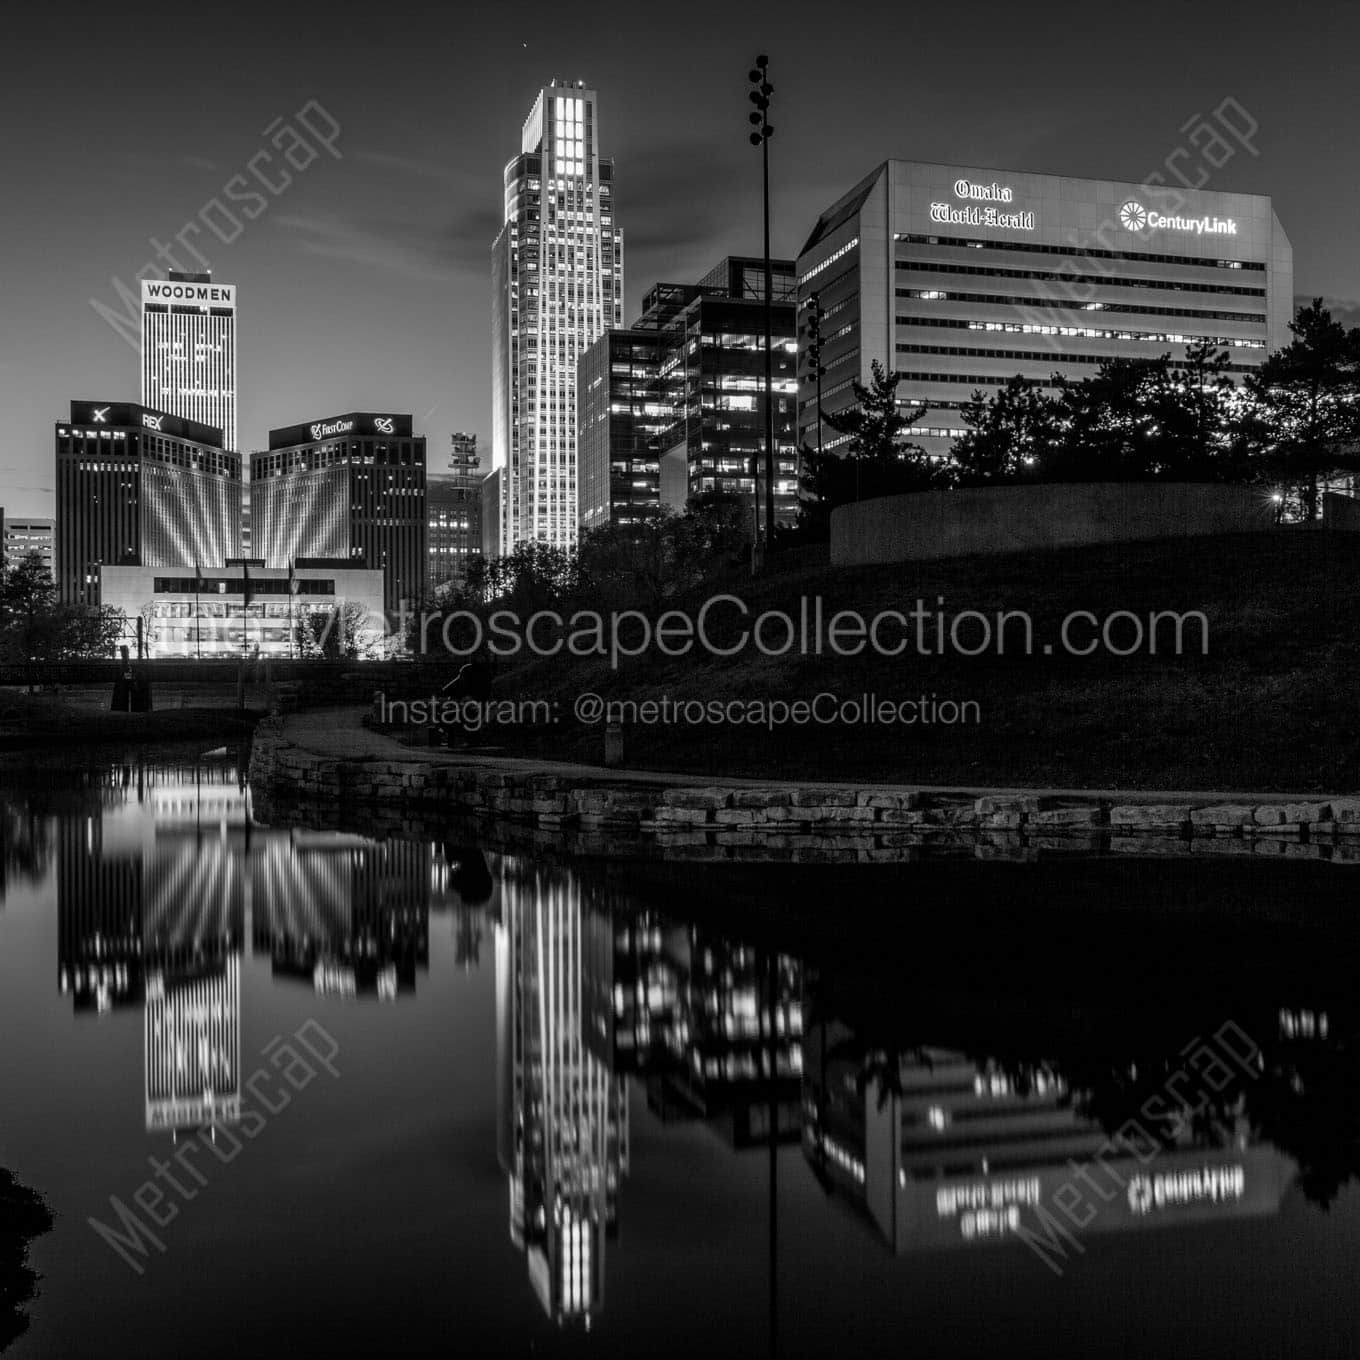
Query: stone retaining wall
point(850, 822)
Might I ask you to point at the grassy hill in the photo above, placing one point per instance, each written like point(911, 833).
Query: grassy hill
point(1272, 705)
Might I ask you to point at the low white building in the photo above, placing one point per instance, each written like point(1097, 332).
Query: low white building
point(232, 610)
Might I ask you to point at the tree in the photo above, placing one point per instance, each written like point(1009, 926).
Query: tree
point(659, 555)
point(1011, 435)
point(535, 575)
point(1212, 428)
point(333, 634)
point(1307, 396)
point(30, 627)
point(1150, 419)
point(878, 460)
point(638, 564)
point(1118, 424)
point(24, 1215)
point(35, 626)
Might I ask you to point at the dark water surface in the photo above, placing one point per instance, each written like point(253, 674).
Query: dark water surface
point(331, 1095)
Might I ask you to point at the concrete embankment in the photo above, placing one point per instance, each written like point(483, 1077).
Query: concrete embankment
point(332, 760)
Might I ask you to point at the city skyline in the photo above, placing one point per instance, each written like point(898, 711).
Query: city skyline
point(397, 229)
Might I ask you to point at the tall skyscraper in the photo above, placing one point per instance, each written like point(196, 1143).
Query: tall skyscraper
point(557, 283)
point(140, 487)
point(189, 350)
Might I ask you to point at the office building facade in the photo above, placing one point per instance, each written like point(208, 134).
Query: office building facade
point(189, 350)
point(347, 487)
point(557, 284)
point(959, 278)
point(137, 486)
point(674, 406)
point(25, 536)
point(230, 609)
point(454, 503)
point(621, 418)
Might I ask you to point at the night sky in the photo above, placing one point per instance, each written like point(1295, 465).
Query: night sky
point(365, 283)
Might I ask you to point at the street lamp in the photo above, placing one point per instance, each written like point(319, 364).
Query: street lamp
point(761, 90)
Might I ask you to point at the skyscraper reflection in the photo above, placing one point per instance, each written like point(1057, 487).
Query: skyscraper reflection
point(347, 914)
point(703, 1019)
point(192, 1039)
point(562, 1127)
point(99, 918)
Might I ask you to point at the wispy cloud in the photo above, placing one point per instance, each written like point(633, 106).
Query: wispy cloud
point(408, 165)
point(406, 246)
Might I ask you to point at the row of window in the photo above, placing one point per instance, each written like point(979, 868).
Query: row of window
point(1068, 280)
point(235, 585)
point(1076, 250)
point(1080, 332)
point(1068, 304)
point(1028, 355)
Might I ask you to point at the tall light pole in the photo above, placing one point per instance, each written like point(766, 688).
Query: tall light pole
point(760, 136)
point(813, 331)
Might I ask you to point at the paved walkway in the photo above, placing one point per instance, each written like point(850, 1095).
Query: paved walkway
point(338, 733)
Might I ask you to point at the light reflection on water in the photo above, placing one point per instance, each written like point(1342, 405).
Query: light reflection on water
point(581, 1031)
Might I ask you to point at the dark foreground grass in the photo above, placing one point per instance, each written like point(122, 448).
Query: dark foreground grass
point(1272, 706)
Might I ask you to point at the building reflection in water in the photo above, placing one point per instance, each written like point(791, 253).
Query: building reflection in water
point(192, 1035)
point(461, 885)
point(162, 882)
point(349, 915)
point(150, 907)
point(155, 885)
point(562, 1127)
point(936, 1149)
point(697, 1016)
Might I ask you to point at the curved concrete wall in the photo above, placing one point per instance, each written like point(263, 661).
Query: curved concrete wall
point(1002, 519)
point(1340, 512)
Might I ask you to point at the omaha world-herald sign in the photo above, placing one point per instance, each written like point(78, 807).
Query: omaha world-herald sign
point(1133, 214)
point(989, 216)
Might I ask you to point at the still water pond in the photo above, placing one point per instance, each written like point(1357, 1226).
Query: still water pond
point(290, 1090)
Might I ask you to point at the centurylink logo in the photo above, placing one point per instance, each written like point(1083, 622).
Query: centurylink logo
point(1133, 216)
